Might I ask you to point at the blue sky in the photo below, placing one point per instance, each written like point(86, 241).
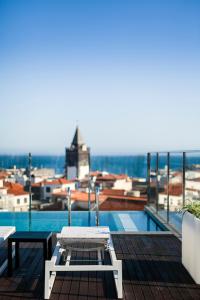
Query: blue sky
point(127, 71)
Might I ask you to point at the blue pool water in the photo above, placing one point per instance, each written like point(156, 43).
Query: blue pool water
point(54, 221)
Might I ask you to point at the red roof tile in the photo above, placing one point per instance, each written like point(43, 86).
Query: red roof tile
point(113, 192)
point(59, 181)
point(15, 189)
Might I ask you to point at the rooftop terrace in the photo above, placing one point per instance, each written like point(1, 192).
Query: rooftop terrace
point(152, 269)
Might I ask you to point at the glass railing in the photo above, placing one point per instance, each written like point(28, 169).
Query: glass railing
point(121, 181)
point(192, 178)
point(174, 180)
point(166, 181)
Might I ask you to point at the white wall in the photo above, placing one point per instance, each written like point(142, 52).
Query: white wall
point(48, 195)
point(23, 204)
point(175, 202)
point(83, 171)
point(192, 184)
point(123, 184)
point(176, 179)
point(10, 202)
point(192, 174)
point(22, 179)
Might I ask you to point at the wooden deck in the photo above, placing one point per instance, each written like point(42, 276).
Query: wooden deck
point(152, 269)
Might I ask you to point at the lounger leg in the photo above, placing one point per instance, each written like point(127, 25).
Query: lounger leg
point(118, 279)
point(68, 258)
point(103, 255)
point(46, 281)
point(99, 257)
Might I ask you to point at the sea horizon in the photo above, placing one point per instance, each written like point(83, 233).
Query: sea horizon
point(134, 165)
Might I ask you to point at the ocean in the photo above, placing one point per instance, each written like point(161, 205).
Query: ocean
point(132, 165)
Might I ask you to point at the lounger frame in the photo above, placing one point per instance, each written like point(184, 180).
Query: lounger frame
point(52, 267)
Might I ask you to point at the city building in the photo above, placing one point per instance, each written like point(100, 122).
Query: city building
point(42, 191)
point(175, 197)
point(13, 197)
point(77, 159)
point(121, 200)
point(38, 175)
point(111, 181)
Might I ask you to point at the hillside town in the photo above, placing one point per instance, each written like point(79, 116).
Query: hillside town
point(49, 191)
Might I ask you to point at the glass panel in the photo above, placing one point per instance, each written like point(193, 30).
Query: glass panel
point(153, 189)
point(192, 177)
point(176, 189)
point(122, 182)
point(162, 185)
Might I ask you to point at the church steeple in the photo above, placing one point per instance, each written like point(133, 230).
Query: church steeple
point(78, 139)
point(77, 159)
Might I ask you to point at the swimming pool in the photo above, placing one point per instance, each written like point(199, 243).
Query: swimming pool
point(55, 220)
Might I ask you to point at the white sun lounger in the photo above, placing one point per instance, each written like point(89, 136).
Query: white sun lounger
point(71, 239)
point(5, 231)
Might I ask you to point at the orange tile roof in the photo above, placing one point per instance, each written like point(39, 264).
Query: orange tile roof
point(113, 192)
point(65, 181)
point(83, 196)
point(174, 190)
point(3, 174)
point(36, 184)
point(95, 173)
point(127, 198)
point(60, 193)
point(59, 181)
point(15, 189)
point(80, 196)
point(177, 174)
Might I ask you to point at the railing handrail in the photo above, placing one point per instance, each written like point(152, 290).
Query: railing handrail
point(173, 151)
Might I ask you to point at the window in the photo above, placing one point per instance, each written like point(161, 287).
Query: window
point(48, 189)
point(25, 200)
point(18, 201)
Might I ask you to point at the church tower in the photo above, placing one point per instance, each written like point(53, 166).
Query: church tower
point(77, 158)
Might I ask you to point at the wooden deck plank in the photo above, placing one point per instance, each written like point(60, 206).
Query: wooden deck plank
point(152, 269)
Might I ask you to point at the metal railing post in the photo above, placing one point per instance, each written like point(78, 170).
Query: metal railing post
point(157, 185)
point(89, 194)
point(168, 174)
point(29, 175)
point(30, 221)
point(148, 176)
point(97, 205)
point(69, 205)
point(183, 184)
